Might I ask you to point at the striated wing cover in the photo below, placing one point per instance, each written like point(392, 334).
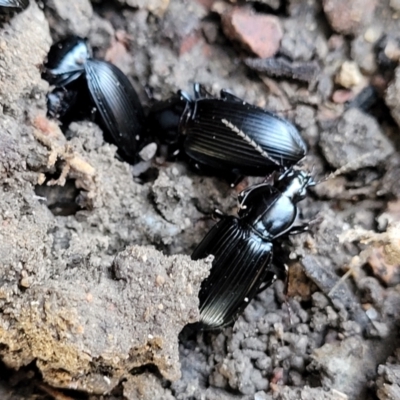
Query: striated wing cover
point(118, 104)
point(241, 264)
point(224, 134)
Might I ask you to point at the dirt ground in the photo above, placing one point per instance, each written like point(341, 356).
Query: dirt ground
point(96, 282)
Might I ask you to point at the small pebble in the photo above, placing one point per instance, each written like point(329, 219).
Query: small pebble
point(160, 280)
point(349, 75)
point(372, 34)
point(348, 17)
point(24, 282)
point(341, 96)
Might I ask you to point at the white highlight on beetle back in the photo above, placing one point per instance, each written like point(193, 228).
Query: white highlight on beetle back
point(248, 139)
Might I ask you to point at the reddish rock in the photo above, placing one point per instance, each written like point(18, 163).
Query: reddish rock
point(258, 33)
point(189, 42)
point(299, 284)
point(382, 268)
point(349, 16)
point(340, 96)
point(207, 4)
point(117, 53)
point(336, 42)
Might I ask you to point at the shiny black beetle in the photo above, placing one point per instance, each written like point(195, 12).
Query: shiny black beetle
point(83, 84)
point(226, 133)
point(243, 247)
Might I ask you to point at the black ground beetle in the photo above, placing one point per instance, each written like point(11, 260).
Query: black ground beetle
point(243, 247)
point(83, 84)
point(226, 133)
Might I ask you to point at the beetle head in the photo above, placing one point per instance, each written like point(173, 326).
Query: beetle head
point(66, 60)
point(166, 117)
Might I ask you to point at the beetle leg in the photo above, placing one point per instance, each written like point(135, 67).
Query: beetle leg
point(226, 95)
point(286, 294)
point(236, 179)
point(197, 90)
point(204, 93)
point(278, 270)
point(218, 214)
point(295, 230)
point(289, 308)
point(184, 96)
point(200, 92)
point(305, 226)
point(268, 281)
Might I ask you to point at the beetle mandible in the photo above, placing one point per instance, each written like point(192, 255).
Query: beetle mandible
point(243, 247)
point(226, 133)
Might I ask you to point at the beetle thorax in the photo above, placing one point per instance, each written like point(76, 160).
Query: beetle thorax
point(295, 189)
point(294, 184)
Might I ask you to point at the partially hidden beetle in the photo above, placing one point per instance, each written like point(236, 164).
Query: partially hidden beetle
point(243, 247)
point(226, 133)
point(83, 84)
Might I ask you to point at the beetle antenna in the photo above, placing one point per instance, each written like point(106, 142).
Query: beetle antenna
point(326, 178)
point(323, 179)
point(348, 167)
point(248, 140)
point(286, 294)
point(269, 179)
point(284, 111)
point(329, 176)
point(341, 281)
point(310, 180)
